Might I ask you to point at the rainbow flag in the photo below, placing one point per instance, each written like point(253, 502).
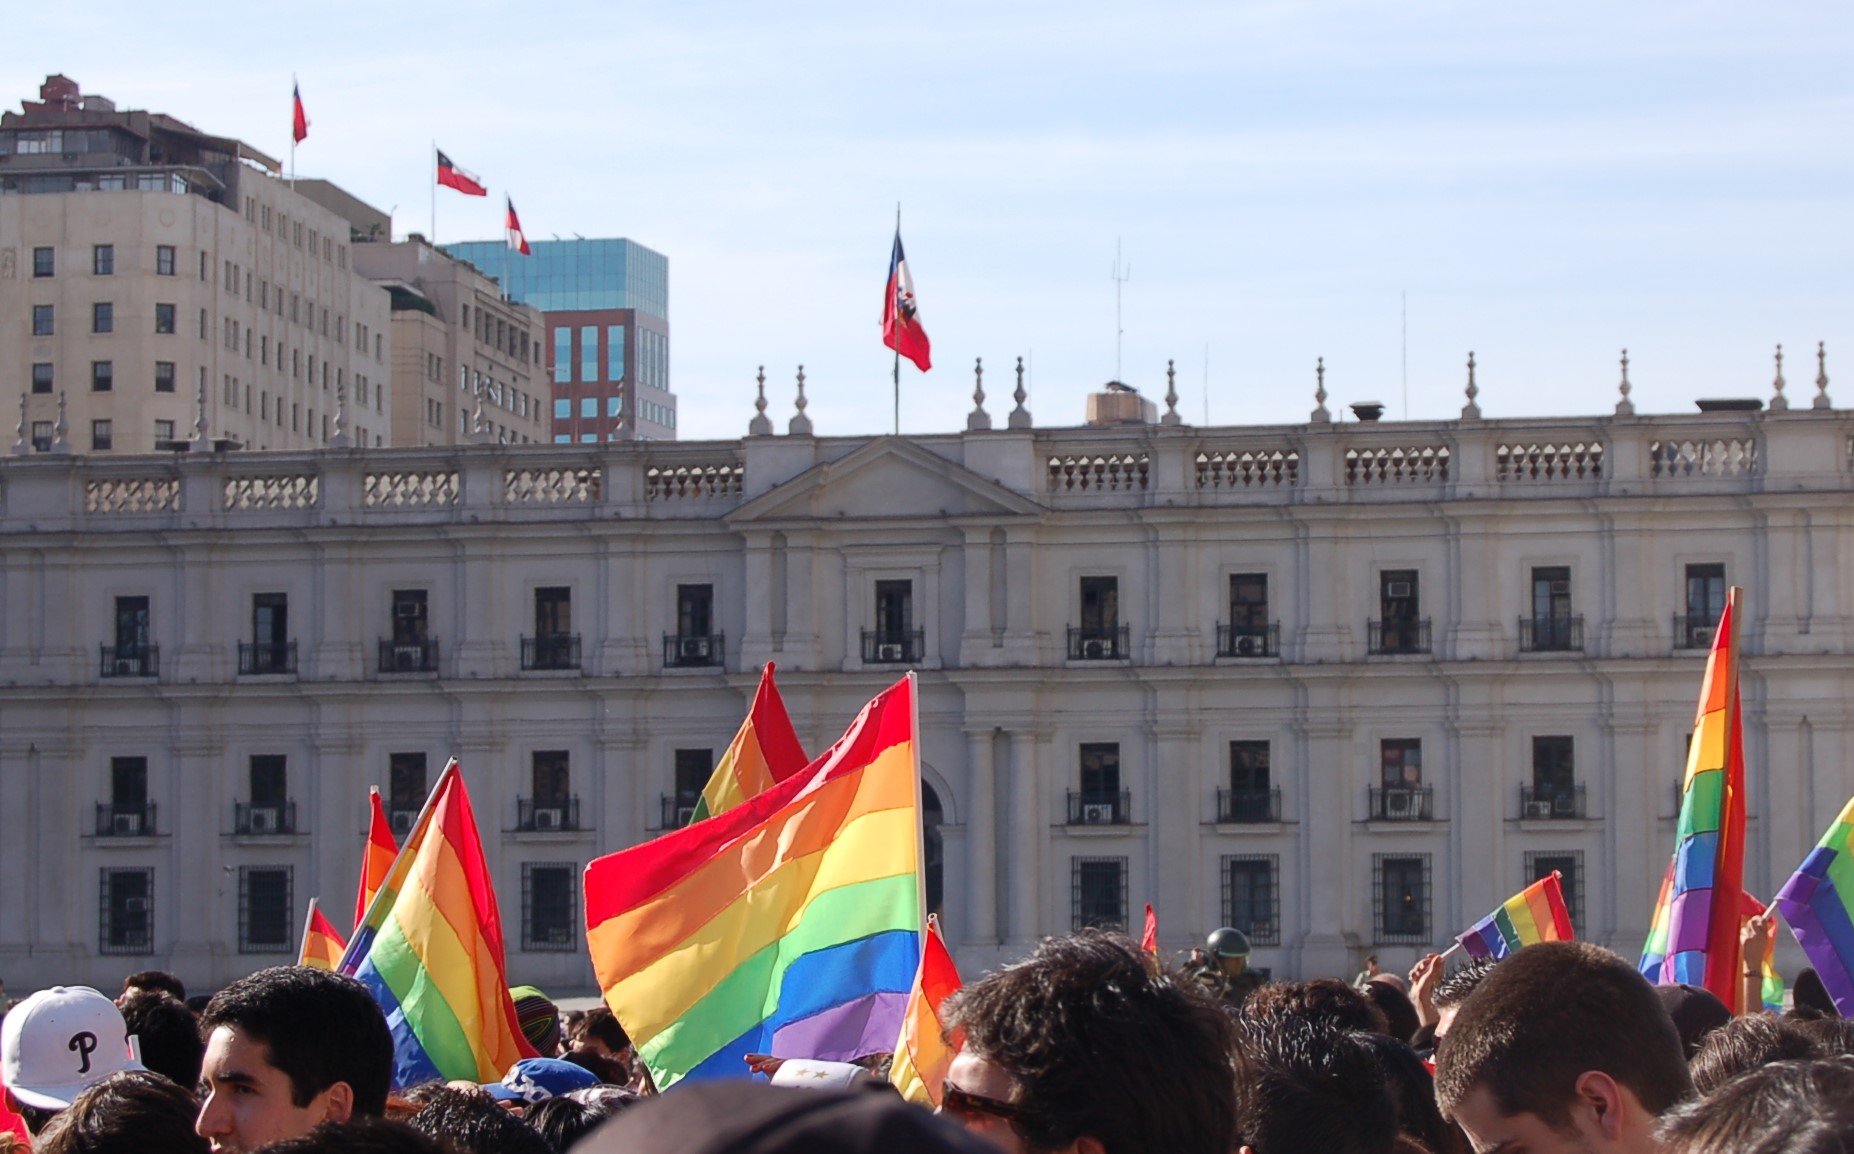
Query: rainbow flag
point(1533, 915)
point(1694, 935)
point(323, 944)
point(377, 857)
point(1818, 902)
point(430, 950)
point(924, 1052)
point(788, 925)
point(763, 753)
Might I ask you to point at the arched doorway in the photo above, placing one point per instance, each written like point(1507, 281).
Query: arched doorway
point(933, 847)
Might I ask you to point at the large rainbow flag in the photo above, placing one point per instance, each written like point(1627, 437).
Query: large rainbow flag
point(1818, 902)
point(1694, 935)
point(787, 925)
point(1533, 915)
point(763, 753)
point(430, 950)
point(924, 1052)
point(377, 857)
point(322, 944)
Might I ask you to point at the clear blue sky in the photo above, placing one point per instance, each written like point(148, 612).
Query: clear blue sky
point(1546, 184)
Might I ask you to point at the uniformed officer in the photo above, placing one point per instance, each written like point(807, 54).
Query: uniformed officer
point(1224, 967)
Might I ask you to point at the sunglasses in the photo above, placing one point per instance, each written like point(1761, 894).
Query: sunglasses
point(967, 1106)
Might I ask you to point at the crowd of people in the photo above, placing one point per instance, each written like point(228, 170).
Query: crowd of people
point(1088, 1046)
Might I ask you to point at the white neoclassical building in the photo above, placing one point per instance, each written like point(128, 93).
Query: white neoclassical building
point(1345, 685)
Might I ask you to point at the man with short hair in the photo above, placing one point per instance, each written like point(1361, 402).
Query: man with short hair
point(56, 1044)
point(1081, 1049)
point(288, 1048)
point(1306, 1084)
point(1564, 1047)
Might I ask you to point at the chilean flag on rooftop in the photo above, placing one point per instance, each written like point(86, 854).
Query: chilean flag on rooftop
point(518, 240)
point(460, 179)
point(901, 321)
point(299, 117)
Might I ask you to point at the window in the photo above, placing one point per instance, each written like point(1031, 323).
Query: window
point(164, 319)
point(552, 783)
point(102, 376)
point(614, 406)
point(693, 768)
point(614, 353)
point(42, 377)
point(164, 260)
point(1250, 634)
point(128, 783)
point(894, 611)
point(1400, 628)
point(41, 435)
point(163, 431)
point(563, 409)
point(411, 617)
point(44, 262)
point(563, 354)
point(103, 317)
point(1400, 885)
point(126, 914)
point(1100, 892)
point(1400, 761)
point(103, 259)
point(1554, 791)
point(695, 642)
point(1100, 800)
point(1569, 865)
point(405, 790)
point(269, 780)
point(1705, 604)
point(271, 650)
point(1251, 795)
point(1101, 635)
point(1252, 896)
point(588, 407)
point(164, 376)
point(1401, 795)
point(42, 325)
point(549, 906)
point(553, 611)
point(131, 626)
point(100, 436)
point(589, 353)
point(266, 913)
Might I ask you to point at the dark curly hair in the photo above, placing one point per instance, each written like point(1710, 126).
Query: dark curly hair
point(1305, 1084)
point(1324, 1000)
point(1745, 1043)
point(130, 1112)
point(1782, 1108)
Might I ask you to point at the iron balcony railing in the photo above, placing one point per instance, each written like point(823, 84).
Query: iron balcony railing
point(131, 661)
point(550, 651)
point(1099, 643)
point(1248, 640)
point(1248, 806)
point(1563, 802)
point(261, 657)
point(1694, 630)
point(1402, 803)
point(1090, 807)
point(893, 647)
point(678, 810)
point(1551, 634)
point(125, 820)
point(546, 814)
point(1393, 635)
point(693, 650)
point(259, 820)
point(409, 656)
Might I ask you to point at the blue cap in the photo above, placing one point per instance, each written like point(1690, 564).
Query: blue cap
point(538, 1079)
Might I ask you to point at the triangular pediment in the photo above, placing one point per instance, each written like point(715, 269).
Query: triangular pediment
point(887, 478)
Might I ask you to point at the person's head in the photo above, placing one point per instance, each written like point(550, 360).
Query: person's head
point(1371, 963)
point(1745, 1043)
point(539, 1019)
point(1835, 1036)
point(469, 1123)
point(598, 1029)
point(1400, 1019)
point(1303, 1084)
point(1695, 1011)
point(1563, 1047)
point(1454, 989)
point(1325, 1000)
point(1783, 1108)
point(604, 1067)
point(287, 1049)
point(168, 1032)
point(1081, 1047)
point(131, 1112)
point(1413, 1093)
point(1808, 993)
point(734, 1117)
point(359, 1136)
point(565, 1120)
point(1228, 949)
point(159, 980)
point(55, 1045)
point(538, 1079)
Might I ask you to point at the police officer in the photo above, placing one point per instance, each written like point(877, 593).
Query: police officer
point(1224, 966)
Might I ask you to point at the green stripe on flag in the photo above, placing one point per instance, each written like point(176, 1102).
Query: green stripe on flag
point(1505, 923)
point(1702, 805)
point(424, 1006)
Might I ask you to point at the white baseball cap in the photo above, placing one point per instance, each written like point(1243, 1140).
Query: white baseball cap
point(61, 1041)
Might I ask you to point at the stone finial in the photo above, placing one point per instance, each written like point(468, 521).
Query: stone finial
point(1320, 415)
point(1171, 416)
point(21, 445)
point(1821, 377)
point(1020, 416)
point(1624, 406)
point(761, 424)
point(978, 418)
point(1779, 403)
point(339, 440)
point(1471, 411)
point(800, 425)
point(200, 440)
point(59, 444)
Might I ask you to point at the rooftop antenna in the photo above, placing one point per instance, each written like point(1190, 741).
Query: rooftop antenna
point(1121, 274)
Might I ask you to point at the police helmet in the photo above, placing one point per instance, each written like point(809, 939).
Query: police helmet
point(1228, 943)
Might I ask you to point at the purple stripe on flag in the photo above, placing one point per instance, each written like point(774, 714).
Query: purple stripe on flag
point(1497, 945)
point(1836, 949)
point(1695, 862)
point(1472, 943)
point(1689, 916)
point(864, 1025)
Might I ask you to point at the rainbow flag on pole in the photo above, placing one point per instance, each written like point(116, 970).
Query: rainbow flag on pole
point(430, 950)
point(323, 944)
point(1533, 915)
point(924, 1052)
point(1818, 902)
point(788, 925)
point(763, 753)
point(1694, 935)
point(377, 857)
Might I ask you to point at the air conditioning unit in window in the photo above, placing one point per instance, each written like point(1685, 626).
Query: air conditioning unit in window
point(889, 651)
point(1094, 649)
point(125, 824)
point(264, 820)
point(1564, 805)
point(694, 649)
point(1397, 589)
point(1538, 808)
point(1098, 813)
point(1400, 804)
point(549, 819)
point(1248, 645)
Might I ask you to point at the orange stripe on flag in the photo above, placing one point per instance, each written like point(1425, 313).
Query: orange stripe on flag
point(924, 1053)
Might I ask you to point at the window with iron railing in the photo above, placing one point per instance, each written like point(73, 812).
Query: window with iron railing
point(1098, 893)
point(1252, 896)
point(125, 914)
point(1401, 898)
point(266, 910)
point(549, 907)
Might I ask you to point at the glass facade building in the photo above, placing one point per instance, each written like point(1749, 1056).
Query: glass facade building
point(576, 275)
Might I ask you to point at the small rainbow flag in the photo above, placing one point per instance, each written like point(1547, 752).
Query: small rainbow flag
point(1693, 937)
point(1818, 902)
point(1770, 985)
point(430, 950)
point(788, 925)
point(377, 857)
point(763, 753)
point(1533, 915)
point(924, 1052)
point(323, 944)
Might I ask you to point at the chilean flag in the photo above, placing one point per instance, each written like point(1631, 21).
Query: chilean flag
point(518, 240)
point(901, 321)
point(462, 180)
point(299, 119)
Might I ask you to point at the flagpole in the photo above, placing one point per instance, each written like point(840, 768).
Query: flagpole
point(302, 943)
point(897, 307)
point(433, 175)
point(295, 99)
